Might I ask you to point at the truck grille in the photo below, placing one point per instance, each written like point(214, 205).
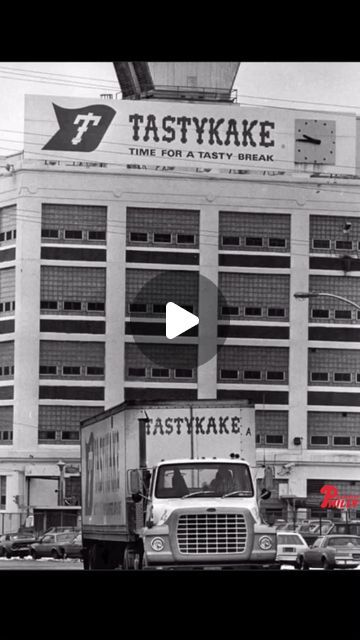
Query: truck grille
point(211, 533)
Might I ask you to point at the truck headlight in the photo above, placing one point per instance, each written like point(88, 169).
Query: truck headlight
point(157, 544)
point(265, 543)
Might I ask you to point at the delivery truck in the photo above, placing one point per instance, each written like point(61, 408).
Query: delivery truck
point(172, 485)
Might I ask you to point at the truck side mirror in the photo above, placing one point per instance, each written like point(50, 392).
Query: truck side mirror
point(265, 494)
point(134, 481)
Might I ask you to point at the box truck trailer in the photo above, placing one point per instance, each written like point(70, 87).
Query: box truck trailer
point(171, 485)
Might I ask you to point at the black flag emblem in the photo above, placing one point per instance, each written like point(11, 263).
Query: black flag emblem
point(80, 129)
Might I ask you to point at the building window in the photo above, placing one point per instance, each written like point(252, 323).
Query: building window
point(136, 307)
point(6, 371)
point(188, 307)
point(342, 377)
point(253, 311)
point(229, 374)
point(48, 370)
point(136, 236)
point(1, 307)
point(70, 435)
point(343, 313)
point(277, 242)
point(320, 440)
point(232, 241)
point(73, 234)
point(96, 235)
point(344, 244)
point(274, 439)
point(47, 435)
point(159, 308)
point(72, 305)
point(162, 237)
point(137, 372)
point(343, 441)
point(275, 375)
point(160, 373)
point(2, 493)
point(358, 377)
point(96, 306)
point(49, 233)
point(358, 441)
point(94, 371)
point(185, 238)
point(318, 243)
point(276, 312)
point(8, 235)
point(7, 306)
point(14, 234)
point(319, 376)
point(230, 311)
point(6, 435)
point(71, 371)
point(320, 313)
point(12, 368)
point(2, 236)
point(257, 438)
point(252, 241)
point(183, 373)
point(48, 304)
point(250, 374)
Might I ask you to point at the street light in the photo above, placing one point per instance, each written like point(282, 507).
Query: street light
point(61, 465)
point(303, 295)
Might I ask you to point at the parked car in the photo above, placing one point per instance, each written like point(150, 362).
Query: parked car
point(73, 549)
point(289, 545)
point(330, 552)
point(312, 529)
point(348, 528)
point(50, 545)
point(16, 545)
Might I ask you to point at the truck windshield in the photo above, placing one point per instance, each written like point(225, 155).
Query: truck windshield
point(203, 480)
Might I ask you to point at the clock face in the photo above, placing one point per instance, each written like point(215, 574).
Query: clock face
point(315, 141)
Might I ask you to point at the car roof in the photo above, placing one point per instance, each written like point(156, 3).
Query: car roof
point(340, 535)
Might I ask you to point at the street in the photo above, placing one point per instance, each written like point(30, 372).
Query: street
point(43, 564)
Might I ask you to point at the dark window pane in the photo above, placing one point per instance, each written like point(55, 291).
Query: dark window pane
point(342, 377)
point(8, 235)
point(162, 237)
point(252, 241)
point(50, 233)
point(188, 307)
point(342, 440)
point(48, 304)
point(228, 374)
point(138, 308)
point(252, 375)
point(277, 242)
point(96, 235)
point(2, 236)
point(72, 305)
point(6, 371)
point(344, 244)
point(73, 234)
point(230, 311)
point(14, 234)
point(257, 438)
point(319, 375)
point(137, 372)
point(185, 238)
point(160, 373)
point(276, 312)
point(50, 370)
point(159, 308)
point(230, 241)
point(253, 311)
point(275, 375)
point(321, 244)
point(343, 313)
point(70, 435)
point(138, 237)
point(319, 440)
point(7, 306)
point(320, 313)
point(47, 435)
point(95, 371)
point(96, 306)
point(274, 439)
point(71, 371)
point(183, 373)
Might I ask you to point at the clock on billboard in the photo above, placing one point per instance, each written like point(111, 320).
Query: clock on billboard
point(315, 141)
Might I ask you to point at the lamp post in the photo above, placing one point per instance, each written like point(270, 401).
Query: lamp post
point(303, 295)
point(61, 465)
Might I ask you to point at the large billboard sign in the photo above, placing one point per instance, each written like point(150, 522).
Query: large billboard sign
point(183, 134)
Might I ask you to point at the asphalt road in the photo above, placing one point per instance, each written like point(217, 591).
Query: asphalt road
point(44, 564)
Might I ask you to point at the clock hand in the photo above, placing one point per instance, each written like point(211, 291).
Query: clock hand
point(308, 139)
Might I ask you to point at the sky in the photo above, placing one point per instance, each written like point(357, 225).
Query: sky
point(322, 86)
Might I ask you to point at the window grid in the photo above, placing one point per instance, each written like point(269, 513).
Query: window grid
point(268, 226)
point(87, 219)
point(262, 291)
point(159, 221)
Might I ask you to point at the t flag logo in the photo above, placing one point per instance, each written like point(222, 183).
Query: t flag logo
point(80, 129)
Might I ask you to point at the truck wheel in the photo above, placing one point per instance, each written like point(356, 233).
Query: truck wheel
point(55, 554)
point(326, 564)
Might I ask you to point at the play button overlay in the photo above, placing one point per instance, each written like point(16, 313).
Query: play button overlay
point(168, 325)
point(178, 320)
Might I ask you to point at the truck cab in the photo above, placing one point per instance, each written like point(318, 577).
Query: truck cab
point(202, 511)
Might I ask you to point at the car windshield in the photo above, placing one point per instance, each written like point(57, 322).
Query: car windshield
point(289, 539)
point(324, 527)
point(200, 480)
point(64, 536)
point(345, 541)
